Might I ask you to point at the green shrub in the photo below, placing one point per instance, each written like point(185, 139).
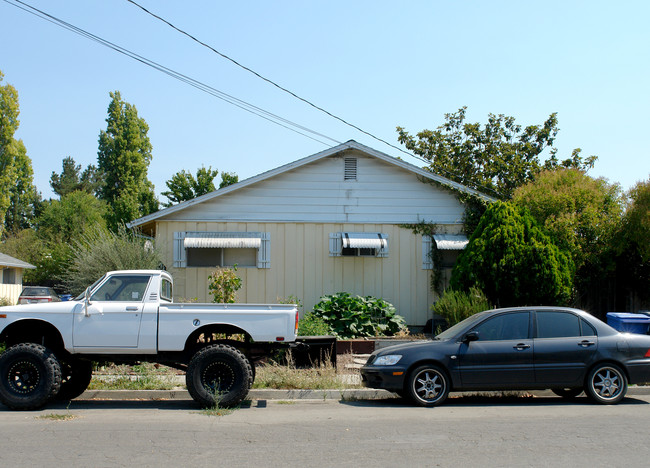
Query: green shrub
point(99, 250)
point(353, 317)
point(513, 261)
point(4, 301)
point(313, 325)
point(224, 284)
point(456, 306)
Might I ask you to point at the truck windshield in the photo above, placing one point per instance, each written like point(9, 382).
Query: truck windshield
point(92, 286)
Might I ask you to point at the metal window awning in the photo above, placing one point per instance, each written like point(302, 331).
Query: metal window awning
point(222, 242)
point(363, 241)
point(450, 241)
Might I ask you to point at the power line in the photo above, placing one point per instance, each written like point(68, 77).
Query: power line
point(276, 119)
point(306, 101)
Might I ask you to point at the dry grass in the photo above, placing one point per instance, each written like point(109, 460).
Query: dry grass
point(319, 377)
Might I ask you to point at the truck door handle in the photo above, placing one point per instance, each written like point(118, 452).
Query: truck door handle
point(586, 343)
point(132, 309)
point(521, 346)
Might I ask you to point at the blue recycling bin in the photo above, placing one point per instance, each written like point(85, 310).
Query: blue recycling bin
point(629, 323)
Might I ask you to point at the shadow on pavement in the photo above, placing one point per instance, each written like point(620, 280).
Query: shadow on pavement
point(164, 405)
point(467, 401)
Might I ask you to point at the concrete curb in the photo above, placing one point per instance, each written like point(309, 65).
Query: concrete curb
point(268, 394)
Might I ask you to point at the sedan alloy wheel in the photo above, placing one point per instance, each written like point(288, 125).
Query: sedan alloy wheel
point(606, 384)
point(428, 386)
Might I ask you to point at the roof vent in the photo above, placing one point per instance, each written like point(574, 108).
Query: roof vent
point(350, 171)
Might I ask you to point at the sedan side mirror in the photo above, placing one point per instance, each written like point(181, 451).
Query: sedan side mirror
point(471, 336)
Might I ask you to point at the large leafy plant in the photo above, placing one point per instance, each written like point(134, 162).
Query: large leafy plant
point(355, 316)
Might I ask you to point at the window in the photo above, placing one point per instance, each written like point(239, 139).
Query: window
point(587, 329)
point(126, 288)
point(557, 324)
point(166, 290)
point(449, 247)
point(512, 326)
point(8, 276)
point(358, 244)
point(210, 249)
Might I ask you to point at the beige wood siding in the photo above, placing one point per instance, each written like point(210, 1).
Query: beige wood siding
point(301, 266)
point(11, 292)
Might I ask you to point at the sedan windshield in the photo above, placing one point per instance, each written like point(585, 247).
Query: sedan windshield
point(460, 326)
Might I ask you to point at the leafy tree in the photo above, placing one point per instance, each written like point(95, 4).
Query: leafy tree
point(633, 247)
point(28, 247)
point(580, 213)
point(124, 156)
point(228, 178)
point(72, 179)
point(23, 194)
point(184, 186)
point(8, 126)
point(494, 159)
point(99, 250)
point(513, 262)
point(17, 192)
point(65, 220)
point(48, 247)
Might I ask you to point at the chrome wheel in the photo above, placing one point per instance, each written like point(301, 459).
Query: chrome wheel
point(428, 386)
point(607, 384)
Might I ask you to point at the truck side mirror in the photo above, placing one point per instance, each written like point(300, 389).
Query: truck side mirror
point(86, 301)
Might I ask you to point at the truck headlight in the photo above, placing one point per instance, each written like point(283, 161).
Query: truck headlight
point(387, 360)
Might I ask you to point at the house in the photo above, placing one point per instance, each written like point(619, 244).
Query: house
point(334, 221)
point(11, 280)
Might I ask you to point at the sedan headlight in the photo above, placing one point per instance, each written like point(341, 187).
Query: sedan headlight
point(387, 360)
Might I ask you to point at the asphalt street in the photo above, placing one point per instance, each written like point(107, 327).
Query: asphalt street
point(540, 431)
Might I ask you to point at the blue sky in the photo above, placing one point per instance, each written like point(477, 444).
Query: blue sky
point(377, 64)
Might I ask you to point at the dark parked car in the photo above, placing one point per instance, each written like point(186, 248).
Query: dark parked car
point(34, 294)
point(523, 348)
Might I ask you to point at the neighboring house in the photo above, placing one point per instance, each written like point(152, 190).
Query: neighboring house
point(330, 222)
point(11, 280)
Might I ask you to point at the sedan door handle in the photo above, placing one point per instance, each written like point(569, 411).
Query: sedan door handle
point(586, 343)
point(132, 309)
point(521, 346)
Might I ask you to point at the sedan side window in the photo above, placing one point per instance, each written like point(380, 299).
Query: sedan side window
point(557, 324)
point(587, 329)
point(512, 326)
point(122, 289)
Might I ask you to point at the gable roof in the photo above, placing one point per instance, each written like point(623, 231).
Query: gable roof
point(6, 260)
point(349, 145)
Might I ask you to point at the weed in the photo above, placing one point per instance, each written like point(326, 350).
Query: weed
point(216, 409)
point(58, 417)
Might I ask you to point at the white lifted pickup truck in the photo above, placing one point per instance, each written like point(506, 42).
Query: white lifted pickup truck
point(129, 316)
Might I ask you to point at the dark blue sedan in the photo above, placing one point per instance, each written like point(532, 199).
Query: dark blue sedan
point(522, 348)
